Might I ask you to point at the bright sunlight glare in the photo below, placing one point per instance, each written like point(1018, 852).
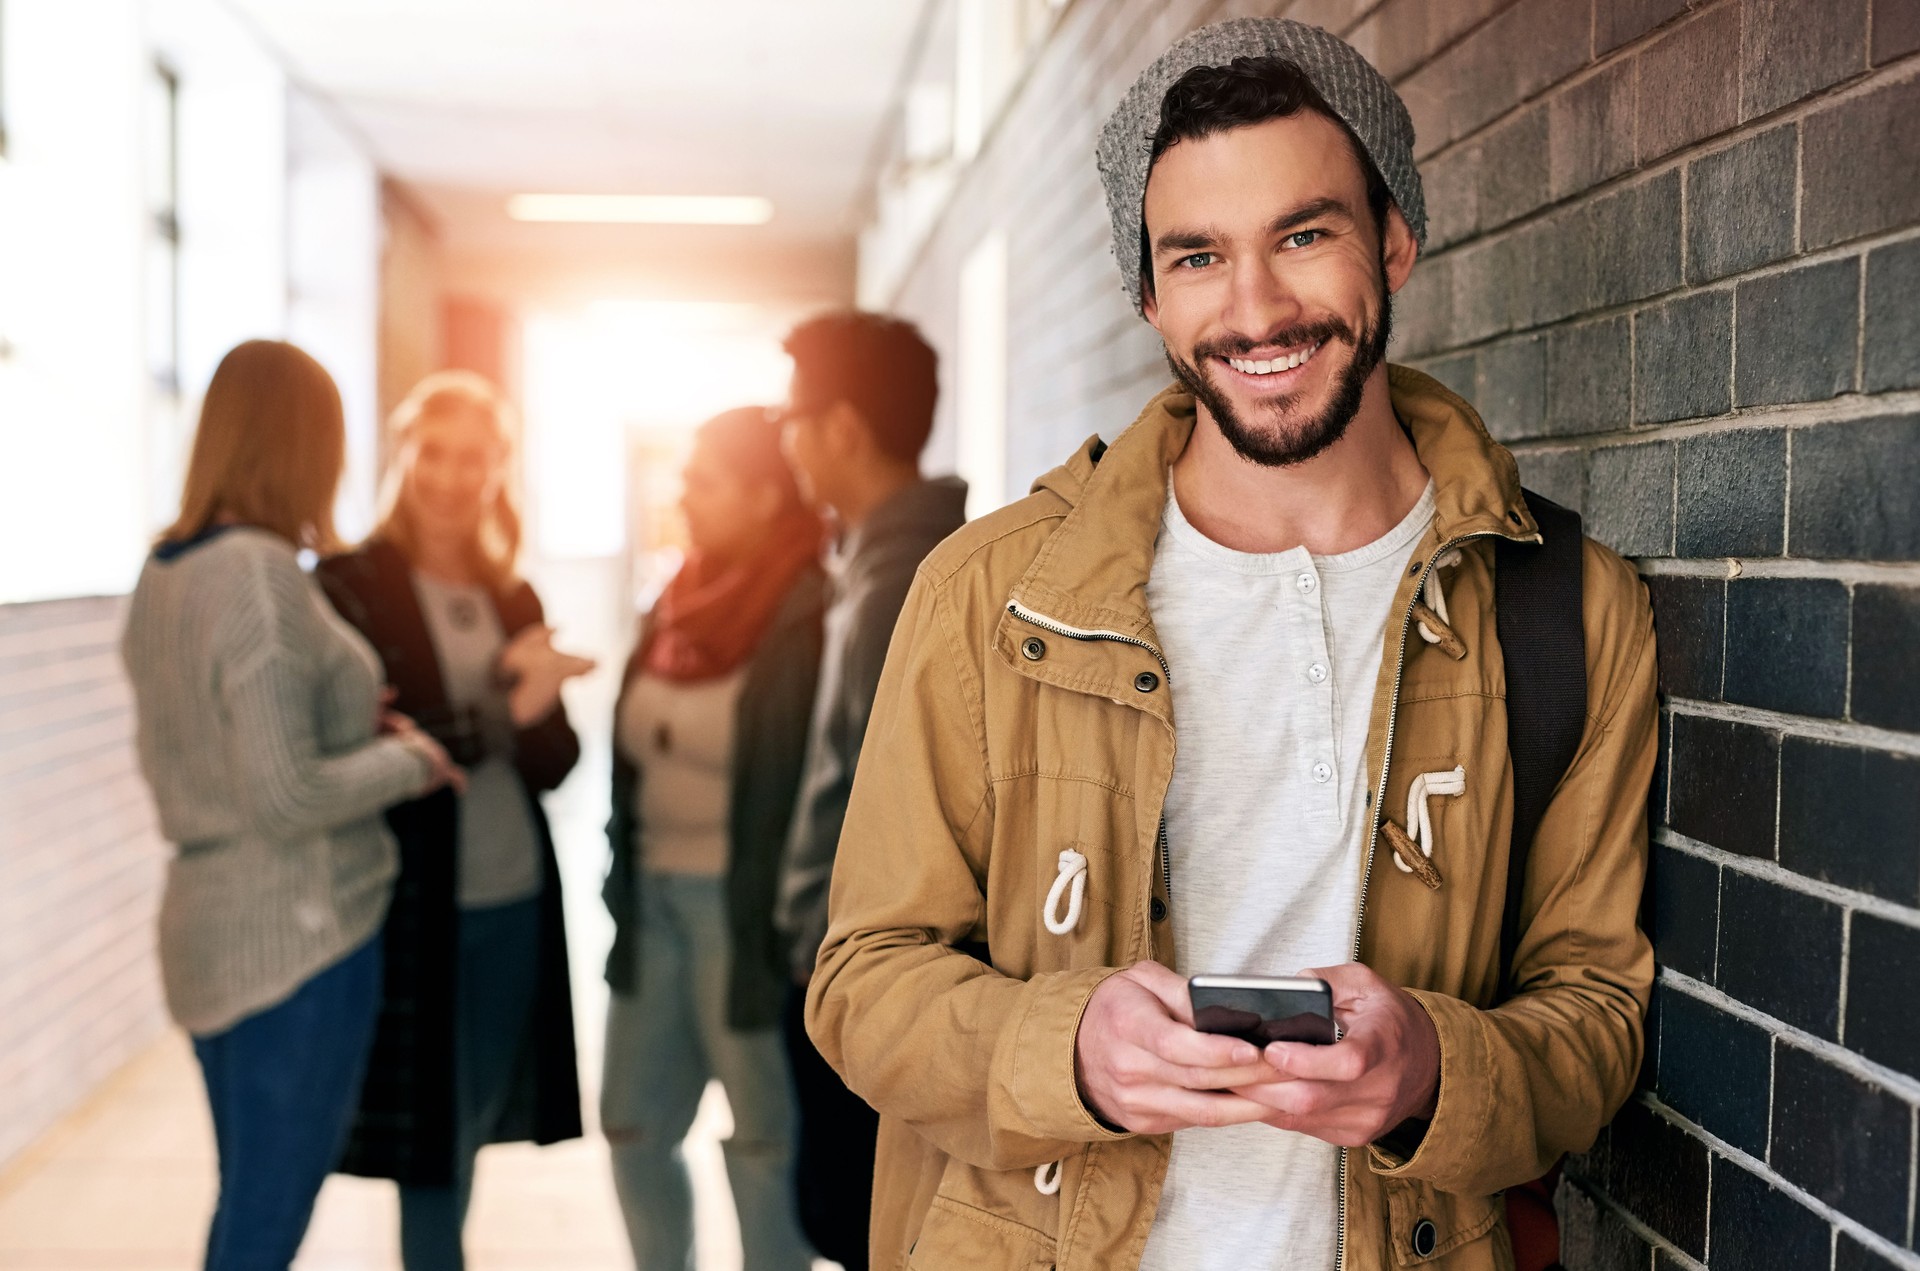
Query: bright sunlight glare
point(621, 384)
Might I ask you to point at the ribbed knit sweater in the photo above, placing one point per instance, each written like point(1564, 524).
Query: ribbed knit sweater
point(257, 729)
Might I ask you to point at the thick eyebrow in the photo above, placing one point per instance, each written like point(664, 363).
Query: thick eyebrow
point(1207, 236)
point(1190, 240)
point(1312, 210)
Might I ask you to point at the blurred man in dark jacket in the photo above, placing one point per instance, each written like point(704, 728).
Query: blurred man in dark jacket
point(859, 412)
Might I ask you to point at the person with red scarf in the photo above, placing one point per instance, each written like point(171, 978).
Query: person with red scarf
point(709, 738)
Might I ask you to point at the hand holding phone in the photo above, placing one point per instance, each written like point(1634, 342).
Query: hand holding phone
point(1140, 1065)
point(1382, 1071)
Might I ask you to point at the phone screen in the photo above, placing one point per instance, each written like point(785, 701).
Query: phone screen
point(1262, 1010)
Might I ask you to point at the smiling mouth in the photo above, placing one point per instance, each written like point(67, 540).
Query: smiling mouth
point(1266, 368)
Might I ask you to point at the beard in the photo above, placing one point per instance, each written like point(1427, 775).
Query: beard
point(1283, 441)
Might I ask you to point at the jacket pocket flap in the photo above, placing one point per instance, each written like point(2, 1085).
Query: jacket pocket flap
point(958, 1237)
point(1427, 1225)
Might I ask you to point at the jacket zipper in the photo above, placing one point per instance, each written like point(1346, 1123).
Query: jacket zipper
point(1058, 628)
point(1373, 830)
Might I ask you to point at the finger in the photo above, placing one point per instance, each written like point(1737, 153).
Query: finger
point(1344, 1061)
point(1297, 1100)
point(1178, 1044)
point(1166, 985)
point(1186, 1108)
point(1350, 982)
point(1158, 1071)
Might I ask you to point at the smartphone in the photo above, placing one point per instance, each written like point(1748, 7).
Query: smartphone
point(1264, 1008)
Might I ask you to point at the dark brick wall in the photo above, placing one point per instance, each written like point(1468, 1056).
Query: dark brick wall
point(81, 864)
point(1675, 259)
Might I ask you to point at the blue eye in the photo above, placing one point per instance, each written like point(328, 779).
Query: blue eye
point(1303, 238)
point(1199, 260)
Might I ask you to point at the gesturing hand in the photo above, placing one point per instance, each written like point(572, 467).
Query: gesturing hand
point(1384, 1069)
point(537, 670)
point(1142, 1066)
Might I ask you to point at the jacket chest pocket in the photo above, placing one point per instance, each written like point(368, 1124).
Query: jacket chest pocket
point(958, 1237)
point(1427, 1228)
point(1070, 879)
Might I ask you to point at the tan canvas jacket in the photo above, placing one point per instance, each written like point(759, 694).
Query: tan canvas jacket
point(1025, 710)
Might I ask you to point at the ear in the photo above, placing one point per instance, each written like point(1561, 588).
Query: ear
point(1399, 250)
point(845, 430)
point(1149, 303)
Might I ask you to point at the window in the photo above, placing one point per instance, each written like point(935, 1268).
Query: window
point(980, 398)
point(162, 153)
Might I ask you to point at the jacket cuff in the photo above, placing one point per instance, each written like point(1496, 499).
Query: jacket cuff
point(1456, 1136)
point(1044, 1087)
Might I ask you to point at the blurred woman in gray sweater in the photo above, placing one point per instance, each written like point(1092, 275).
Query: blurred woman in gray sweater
point(263, 733)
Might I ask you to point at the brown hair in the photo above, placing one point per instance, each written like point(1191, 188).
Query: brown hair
point(269, 449)
point(495, 550)
point(746, 440)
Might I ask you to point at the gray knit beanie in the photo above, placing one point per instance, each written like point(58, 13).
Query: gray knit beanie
point(1359, 94)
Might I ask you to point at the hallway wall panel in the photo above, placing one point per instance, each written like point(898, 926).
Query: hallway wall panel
point(81, 863)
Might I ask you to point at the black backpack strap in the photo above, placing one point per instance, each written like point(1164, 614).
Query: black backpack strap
point(1537, 601)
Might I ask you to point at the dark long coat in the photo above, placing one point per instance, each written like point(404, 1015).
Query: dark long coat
point(405, 1126)
point(776, 705)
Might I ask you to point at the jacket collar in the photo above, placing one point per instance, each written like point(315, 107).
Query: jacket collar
point(1093, 570)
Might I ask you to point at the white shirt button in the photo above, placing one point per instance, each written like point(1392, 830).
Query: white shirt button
point(1306, 583)
point(1317, 673)
point(1321, 772)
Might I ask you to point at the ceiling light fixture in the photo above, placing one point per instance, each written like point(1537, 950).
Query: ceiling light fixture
point(641, 209)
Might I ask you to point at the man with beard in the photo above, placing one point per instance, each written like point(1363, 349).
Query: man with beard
point(1290, 556)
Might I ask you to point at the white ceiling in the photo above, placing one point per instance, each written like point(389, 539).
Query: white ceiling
point(464, 99)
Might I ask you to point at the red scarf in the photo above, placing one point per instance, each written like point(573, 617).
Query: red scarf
point(713, 615)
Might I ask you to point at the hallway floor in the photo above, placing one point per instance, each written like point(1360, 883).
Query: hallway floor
point(127, 1182)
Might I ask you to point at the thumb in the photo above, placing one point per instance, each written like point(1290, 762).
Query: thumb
point(1166, 985)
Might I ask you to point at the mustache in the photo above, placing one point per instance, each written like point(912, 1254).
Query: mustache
point(1288, 337)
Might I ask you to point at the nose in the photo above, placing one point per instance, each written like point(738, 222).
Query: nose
point(1259, 300)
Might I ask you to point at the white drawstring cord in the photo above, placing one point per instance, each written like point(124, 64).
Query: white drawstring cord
point(1419, 820)
point(1073, 873)
point(1435, 595)
point(1046, 1179)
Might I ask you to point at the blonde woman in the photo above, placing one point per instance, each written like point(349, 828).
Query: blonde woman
point(261, 730)
point(475, 1044)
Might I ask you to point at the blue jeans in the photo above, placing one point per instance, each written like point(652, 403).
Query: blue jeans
point(664, 1042)
point(283, 1085)
point(498, 970)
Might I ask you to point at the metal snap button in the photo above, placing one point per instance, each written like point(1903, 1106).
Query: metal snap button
point(1425, 1237)
point(1146, 681)
point(1033, 648)
point(1157, 909)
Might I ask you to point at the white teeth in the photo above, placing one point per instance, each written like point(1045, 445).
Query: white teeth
point(1246, 367)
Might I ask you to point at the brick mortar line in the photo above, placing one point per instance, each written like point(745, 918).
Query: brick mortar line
point(1843, 731)
point(1720, 1147)
point(1843, 408)
point(1771, 871)
point(1435, 54)
point(1728, 568)
point(1686, 290)
point(1862, 84)
point(1913, 1167)
point(1865, 244)
point(1632, 1222)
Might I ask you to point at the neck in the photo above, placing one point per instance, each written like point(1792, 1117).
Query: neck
point(448, 559)
point(871, 487)
point(1343, 498)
